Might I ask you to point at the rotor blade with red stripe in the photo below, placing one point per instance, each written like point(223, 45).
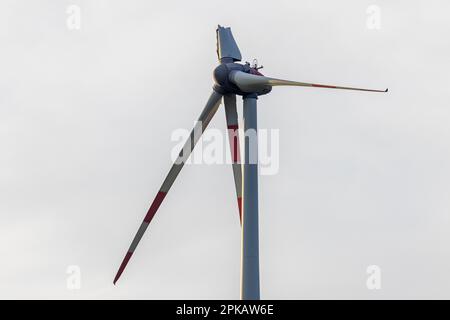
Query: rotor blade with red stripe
point(248, 82)
point(205, 117)
point(233, 137)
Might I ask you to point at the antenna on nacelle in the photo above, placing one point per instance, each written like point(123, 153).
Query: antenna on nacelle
point(255, 65)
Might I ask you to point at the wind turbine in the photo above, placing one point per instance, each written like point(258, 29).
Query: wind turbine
point(231, 79)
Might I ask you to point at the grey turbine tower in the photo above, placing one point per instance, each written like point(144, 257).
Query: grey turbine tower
point(232, 78)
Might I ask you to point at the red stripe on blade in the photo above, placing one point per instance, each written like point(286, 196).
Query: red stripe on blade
point(323, 86)
point(234, 141)
point(122, 266)
point(154, 207)
point(236, 154)
point(239, 199)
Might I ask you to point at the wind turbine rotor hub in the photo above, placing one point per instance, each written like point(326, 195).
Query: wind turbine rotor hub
point(223, 79)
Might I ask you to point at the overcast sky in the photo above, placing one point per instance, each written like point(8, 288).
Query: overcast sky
point(86, 118)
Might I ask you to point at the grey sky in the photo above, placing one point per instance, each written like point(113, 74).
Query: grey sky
point(85, 123)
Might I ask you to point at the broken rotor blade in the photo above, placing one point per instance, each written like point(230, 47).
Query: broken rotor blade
point(227, 48)
point(205, 117)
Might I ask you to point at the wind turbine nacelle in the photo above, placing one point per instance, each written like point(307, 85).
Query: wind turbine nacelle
point(226, 74)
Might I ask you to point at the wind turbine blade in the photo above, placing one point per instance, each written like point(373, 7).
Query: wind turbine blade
point(205, 117)
point(253, 83)
point(233, 137)
point(227, 48)
point(279, 82)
